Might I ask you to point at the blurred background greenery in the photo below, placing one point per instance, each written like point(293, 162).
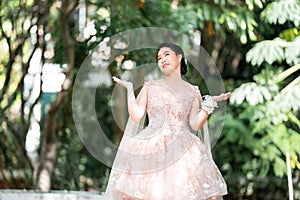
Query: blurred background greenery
point(255, 44)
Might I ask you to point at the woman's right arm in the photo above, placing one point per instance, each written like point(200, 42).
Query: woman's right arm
point(136, 106)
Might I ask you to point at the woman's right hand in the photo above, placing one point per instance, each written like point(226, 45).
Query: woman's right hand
point(123, 83)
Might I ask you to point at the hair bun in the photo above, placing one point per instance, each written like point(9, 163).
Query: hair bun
point(183, 67)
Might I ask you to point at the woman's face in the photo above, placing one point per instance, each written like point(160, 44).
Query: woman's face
point(168, 60)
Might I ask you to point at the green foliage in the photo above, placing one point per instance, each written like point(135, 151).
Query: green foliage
point(244, 159)
point(76, 168)
point(271, 112)
point(267, 108)
point(240, 21)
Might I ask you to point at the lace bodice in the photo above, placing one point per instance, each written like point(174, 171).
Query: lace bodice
point(166, 107)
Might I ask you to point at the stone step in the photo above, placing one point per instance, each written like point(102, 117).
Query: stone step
point(52, 195)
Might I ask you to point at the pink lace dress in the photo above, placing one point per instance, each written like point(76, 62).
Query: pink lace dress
point(165, 160)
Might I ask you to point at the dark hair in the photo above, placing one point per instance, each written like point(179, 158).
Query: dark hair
point(178, 50)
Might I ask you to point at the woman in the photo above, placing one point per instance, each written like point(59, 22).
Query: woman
point(166, 161)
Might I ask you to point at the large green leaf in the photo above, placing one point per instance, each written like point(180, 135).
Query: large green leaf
point(268, 51)
point(276, 50)
point(282, 11)
point(292, 52)
point(252, 93)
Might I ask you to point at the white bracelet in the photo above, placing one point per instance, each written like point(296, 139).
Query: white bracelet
point(208, 105)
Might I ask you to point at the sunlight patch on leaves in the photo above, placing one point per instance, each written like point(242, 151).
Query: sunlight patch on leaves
point(252, 3)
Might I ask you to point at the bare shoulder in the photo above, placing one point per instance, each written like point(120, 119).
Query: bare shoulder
point(194, 87)
point(187, 83)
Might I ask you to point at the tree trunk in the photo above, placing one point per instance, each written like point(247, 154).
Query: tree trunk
point(48, 154)
point(49, 148)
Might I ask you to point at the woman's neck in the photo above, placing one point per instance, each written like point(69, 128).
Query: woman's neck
point(173, 78)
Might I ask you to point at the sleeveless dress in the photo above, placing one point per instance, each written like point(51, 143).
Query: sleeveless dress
point(165, 160)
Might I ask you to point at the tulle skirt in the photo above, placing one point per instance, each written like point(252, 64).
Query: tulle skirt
point(169, 165)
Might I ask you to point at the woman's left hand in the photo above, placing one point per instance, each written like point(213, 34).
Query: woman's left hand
point(221, 97)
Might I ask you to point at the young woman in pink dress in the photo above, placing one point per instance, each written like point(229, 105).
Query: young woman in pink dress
point(165, 160)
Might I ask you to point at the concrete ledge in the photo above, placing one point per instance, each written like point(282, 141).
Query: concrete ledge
point(52, 195)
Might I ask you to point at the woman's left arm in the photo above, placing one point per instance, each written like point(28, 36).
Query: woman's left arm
point(199, 114)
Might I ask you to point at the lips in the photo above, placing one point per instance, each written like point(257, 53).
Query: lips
point(165, 65)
